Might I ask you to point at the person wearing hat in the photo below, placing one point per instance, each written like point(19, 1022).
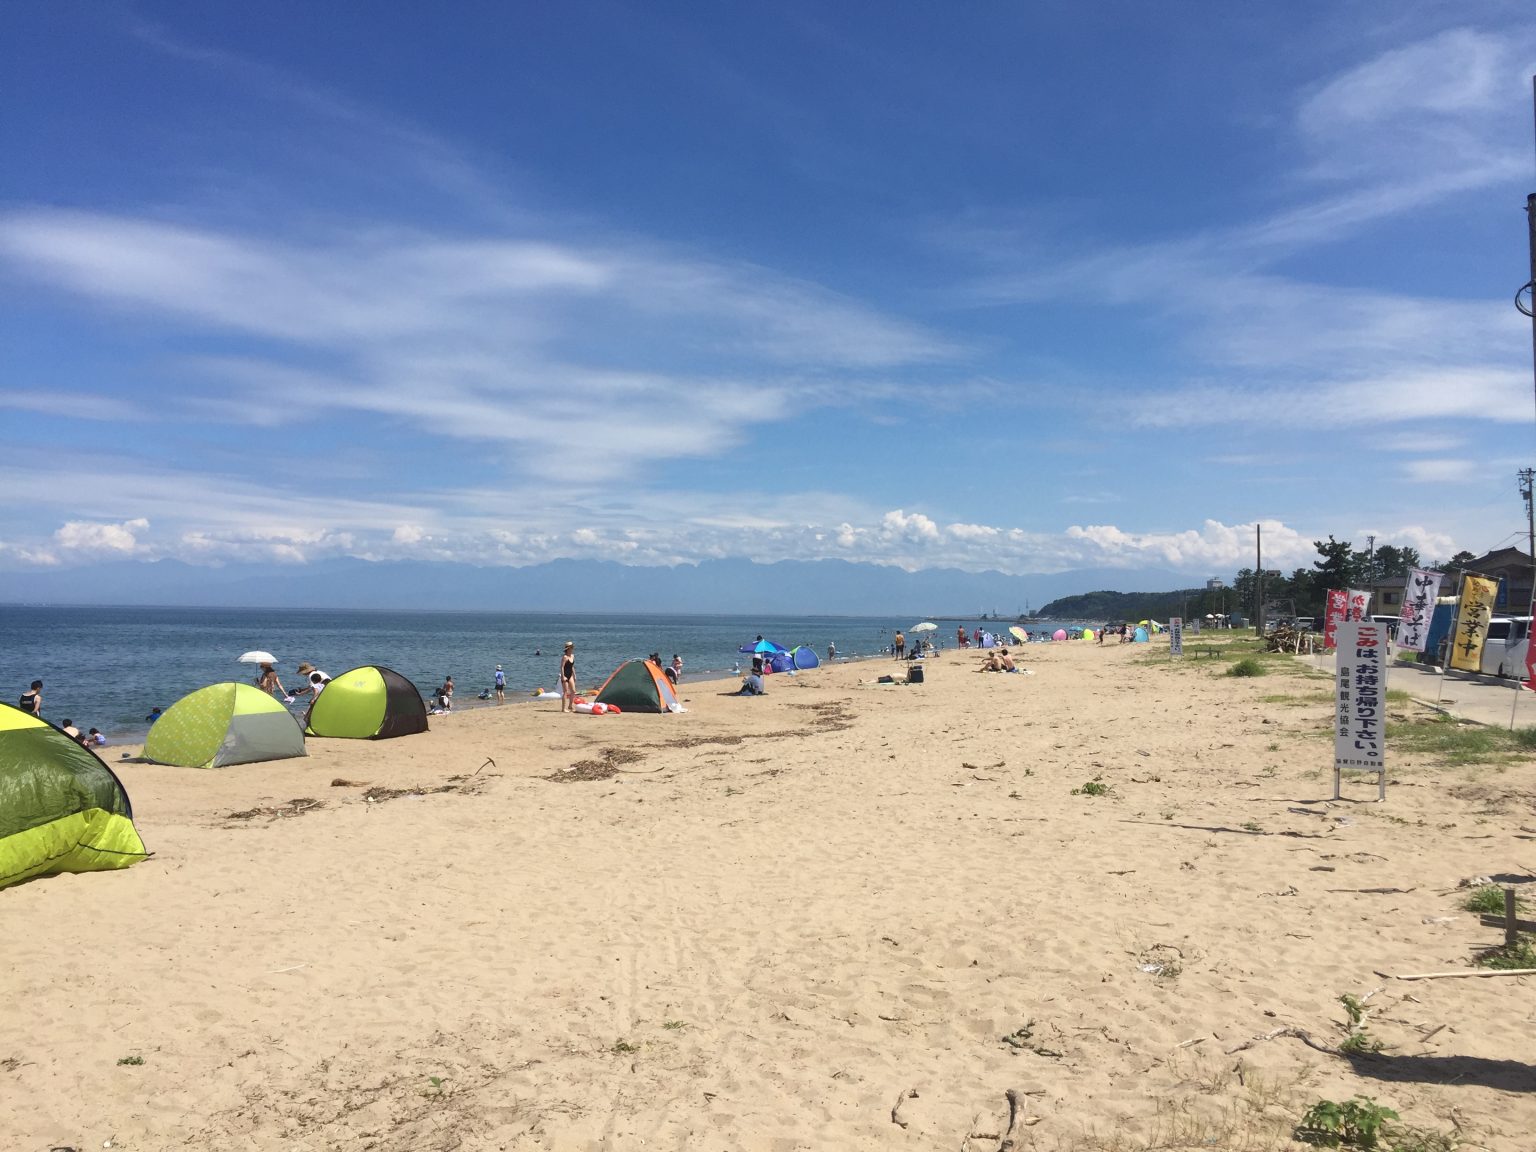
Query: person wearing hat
point(568, 677)
point(501, 685)
point(314, 680)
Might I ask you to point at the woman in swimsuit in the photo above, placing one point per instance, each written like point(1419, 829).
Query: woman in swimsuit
point(568, 677)
point(268, 682)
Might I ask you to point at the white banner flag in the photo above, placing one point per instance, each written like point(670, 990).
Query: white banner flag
point(1176, 636)
point(1418, 607)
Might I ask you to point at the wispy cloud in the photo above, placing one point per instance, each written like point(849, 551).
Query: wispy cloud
point(483, 340)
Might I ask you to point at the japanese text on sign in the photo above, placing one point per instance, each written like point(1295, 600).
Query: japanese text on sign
point(1360, 713)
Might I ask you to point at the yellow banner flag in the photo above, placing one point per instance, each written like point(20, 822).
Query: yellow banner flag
point(1477, 596)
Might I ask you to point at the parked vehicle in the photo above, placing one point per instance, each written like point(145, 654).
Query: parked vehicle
point(1505, 646)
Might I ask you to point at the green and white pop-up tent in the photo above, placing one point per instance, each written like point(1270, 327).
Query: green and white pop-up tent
point(367, 703)
point(61, 808)
point(223, 724)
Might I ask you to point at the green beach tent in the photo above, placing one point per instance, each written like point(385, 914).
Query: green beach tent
point(223, 724)
point(367, 703)
point(61, 808)
point(639, 686)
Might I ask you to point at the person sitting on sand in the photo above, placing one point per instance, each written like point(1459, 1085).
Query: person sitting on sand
point(94, 737)
point(69, 729)
point(752, 685)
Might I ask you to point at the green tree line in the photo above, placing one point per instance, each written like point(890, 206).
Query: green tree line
point(1339, 565)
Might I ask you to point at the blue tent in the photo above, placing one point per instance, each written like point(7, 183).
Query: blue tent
point(1141, 636)
point(804, 657)
point(781, 662)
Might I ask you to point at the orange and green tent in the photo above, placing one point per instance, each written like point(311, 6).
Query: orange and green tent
point(61, 808)
point(639, 686)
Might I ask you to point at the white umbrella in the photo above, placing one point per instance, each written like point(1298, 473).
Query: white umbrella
point(258, 657)
point(925, 626)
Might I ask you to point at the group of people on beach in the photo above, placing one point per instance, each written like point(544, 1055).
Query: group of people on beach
point(31, 703)
point(314, 682)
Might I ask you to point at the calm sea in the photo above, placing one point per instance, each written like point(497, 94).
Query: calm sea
point(107, 667)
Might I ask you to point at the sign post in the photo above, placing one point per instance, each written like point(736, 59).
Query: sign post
point(1176, 636)
point(1360, 704)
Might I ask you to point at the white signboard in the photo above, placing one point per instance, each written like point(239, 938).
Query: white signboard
point(1176, 636)
point(1360, 703)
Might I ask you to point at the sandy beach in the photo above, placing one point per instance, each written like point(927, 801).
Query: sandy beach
point(844, 915)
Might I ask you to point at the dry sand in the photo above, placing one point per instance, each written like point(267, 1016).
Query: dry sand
point(769, 919)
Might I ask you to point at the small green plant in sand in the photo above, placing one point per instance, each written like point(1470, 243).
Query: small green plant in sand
point(620, 1047)
point(1455, 743)
point(1358, 1123)
point(675, 1025)
point(1520, 954)
point(1488, 899)
point(1252, 826)
point(1169, 814)
point(1358, 1042)
point(1247, 666)
point(436, 1086)
point(134, 1060)
point(1094, 787)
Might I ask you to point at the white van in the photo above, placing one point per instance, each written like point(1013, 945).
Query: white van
point(1505, 646)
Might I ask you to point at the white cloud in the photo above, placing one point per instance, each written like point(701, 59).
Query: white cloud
point(84, 536)
point(541, 346)
point(1442, 470)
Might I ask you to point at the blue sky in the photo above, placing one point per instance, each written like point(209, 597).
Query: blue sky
point(1016, 287)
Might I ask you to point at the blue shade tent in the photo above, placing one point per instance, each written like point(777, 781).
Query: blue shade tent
point(1141, 636)
point(782, 662)
point(804, 657)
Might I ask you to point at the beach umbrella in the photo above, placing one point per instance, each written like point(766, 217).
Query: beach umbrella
point(925, 626)
point(258, 657)
point(762, 646)
point(1018, 633)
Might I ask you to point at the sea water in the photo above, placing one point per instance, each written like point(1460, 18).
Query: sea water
point(107, 667)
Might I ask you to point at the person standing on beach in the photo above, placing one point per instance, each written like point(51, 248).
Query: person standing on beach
point(501, 685)
point(32, 699)
point(831, 651)
point(568, 677)
point(445, 695)
point(900, 645)
point(268, 682)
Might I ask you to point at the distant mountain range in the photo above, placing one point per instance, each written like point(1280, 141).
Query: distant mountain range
point(790, 587)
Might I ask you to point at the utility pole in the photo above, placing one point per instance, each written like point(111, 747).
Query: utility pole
point(1370, 564)
point(1258, 568)
point(1527, 476)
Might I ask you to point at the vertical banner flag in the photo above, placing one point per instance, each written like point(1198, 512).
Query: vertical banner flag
point(1360, 706)
point(1530, 649)
point(1358, 602)
point(1194, 626)
point(1418, 606)
point(1338, 601)
point(1176, 636)
point(1472, 614)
